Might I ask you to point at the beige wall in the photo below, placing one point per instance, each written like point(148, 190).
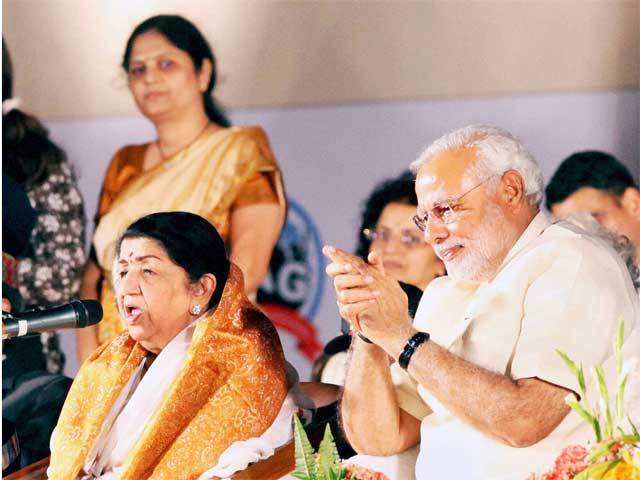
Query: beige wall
point(66, 52)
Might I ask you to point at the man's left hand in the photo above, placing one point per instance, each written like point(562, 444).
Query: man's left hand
point(369, 299)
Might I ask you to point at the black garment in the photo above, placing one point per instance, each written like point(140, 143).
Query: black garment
point(32, 402)
point(18, 219)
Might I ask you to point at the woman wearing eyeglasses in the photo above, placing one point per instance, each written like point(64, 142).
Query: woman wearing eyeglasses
point(388, 228)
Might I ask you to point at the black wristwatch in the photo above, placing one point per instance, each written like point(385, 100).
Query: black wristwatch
point(410, 348)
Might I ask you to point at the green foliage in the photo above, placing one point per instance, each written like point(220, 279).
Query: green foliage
point(597, 471)
point(606, 421)
point(328, 459)
point(604, 395)
point(324, 465)
point(588, 417)
point(577, 372)
point(306, 468)
point(607, 418)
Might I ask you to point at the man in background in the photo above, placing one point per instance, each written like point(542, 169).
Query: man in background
point(599, 184)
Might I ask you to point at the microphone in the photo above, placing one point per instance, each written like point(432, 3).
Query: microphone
point(76, 314)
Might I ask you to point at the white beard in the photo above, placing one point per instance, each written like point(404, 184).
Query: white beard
point(481, 255)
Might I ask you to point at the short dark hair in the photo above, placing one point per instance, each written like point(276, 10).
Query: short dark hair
point(401, 189)
point(184, 35)
point(190, 241)
point(590, 168)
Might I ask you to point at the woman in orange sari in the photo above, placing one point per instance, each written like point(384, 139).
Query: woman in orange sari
point(196, 387)
point(199, 163)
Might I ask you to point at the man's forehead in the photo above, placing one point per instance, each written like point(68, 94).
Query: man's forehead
point(444, 175)
point(585, 199)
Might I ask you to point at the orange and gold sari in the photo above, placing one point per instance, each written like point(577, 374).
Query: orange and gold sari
point(222, 170)
point(230, 387)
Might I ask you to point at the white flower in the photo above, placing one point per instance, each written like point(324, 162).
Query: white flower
point(63, 255)
point(56, 202)
point(74, 197)
point(50, 223)
point(44, 274)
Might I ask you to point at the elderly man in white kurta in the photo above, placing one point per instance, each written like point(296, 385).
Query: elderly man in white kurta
point(482, 347)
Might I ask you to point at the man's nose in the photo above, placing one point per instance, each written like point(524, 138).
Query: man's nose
point(435, 231)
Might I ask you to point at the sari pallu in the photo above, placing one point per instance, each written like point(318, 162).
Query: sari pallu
point(204, 178)
point(231, 387)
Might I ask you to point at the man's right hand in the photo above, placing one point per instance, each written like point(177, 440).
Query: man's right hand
point(6, 305)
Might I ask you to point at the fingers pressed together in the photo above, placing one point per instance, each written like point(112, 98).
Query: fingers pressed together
point(353, 283)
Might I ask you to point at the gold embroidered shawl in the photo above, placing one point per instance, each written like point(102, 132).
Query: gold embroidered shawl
point(204, 178)
point(231, 387)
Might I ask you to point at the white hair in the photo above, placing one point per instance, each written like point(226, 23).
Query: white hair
point(498, 152)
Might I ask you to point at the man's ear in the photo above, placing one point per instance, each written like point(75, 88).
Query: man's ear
point(203, 288)
point(630, 202)
point(512, 190)
point(204, 75)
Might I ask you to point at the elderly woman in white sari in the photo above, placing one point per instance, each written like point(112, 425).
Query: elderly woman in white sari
point(196, 387)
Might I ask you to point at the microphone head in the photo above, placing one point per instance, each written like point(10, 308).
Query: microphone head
point(88, 312)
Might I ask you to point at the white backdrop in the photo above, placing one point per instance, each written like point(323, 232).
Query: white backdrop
point(331, 156)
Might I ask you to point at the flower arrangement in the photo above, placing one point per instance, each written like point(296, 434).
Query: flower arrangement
point(616, 452)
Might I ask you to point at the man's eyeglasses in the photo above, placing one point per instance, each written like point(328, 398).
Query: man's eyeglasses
point(407, 239)
point(445, 211)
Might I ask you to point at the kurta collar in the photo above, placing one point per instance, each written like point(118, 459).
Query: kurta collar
point(538, 225)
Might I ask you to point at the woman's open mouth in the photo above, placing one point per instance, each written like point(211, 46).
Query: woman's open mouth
point(132, 312)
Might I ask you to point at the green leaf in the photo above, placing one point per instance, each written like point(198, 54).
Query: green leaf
point(328, 459)
point(630, 439)
point(588, 417)
point(633, 427)
point(305, 458)
point(618, 346)
point(603, 450)
point(582, 384)
point(620, 398)
point(577, 372)
point(597, 471)
point(568, 362)
point(604, 394)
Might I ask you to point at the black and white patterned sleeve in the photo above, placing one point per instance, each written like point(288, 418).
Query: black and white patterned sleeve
point(54, 272)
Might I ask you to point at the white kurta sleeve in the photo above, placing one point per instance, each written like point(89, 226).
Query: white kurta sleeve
point(574, 305)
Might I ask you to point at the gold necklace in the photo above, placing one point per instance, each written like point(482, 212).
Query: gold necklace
point(184, 148)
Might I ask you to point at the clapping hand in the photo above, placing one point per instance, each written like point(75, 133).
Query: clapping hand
point(369, 299)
